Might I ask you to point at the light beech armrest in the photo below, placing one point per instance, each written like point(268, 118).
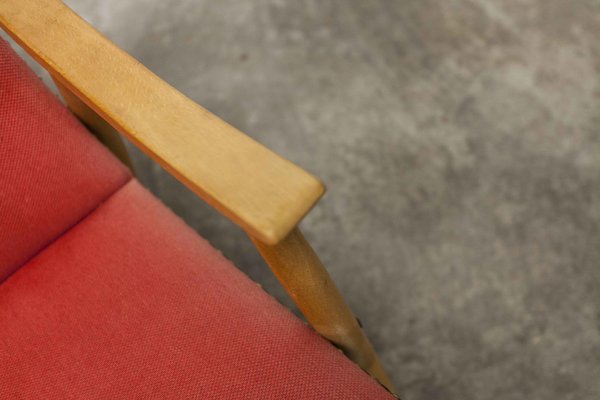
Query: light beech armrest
point(259, 190)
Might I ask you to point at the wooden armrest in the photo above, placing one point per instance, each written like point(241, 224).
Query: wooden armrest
point(257, 189)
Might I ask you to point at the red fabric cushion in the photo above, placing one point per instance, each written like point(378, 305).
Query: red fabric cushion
point(131, 303)
point(52, 171)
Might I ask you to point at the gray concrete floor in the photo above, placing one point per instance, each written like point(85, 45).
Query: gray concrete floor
point(459, 141)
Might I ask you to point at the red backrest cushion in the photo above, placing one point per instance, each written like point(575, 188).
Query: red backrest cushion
point(52, 171)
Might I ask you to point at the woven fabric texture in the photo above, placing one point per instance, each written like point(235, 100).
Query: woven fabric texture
point(52, 171)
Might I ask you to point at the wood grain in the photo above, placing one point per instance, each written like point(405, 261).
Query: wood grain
point(257, 189)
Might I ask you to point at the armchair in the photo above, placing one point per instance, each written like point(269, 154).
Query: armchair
point(103, 291)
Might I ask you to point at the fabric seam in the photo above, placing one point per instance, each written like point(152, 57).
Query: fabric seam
point(68, 228)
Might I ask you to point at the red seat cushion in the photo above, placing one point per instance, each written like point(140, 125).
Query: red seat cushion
point(119, 298)
point(131, 303)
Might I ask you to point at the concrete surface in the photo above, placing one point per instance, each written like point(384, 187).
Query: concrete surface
point(459, 142)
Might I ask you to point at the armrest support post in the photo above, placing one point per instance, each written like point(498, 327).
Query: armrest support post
point(306, 280)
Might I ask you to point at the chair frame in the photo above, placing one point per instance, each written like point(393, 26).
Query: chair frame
point(263, 193)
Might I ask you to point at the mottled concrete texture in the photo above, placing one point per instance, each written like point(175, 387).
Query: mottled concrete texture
point(459, 142)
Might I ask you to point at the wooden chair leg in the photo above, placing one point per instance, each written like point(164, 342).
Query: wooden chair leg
point(304, 277)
